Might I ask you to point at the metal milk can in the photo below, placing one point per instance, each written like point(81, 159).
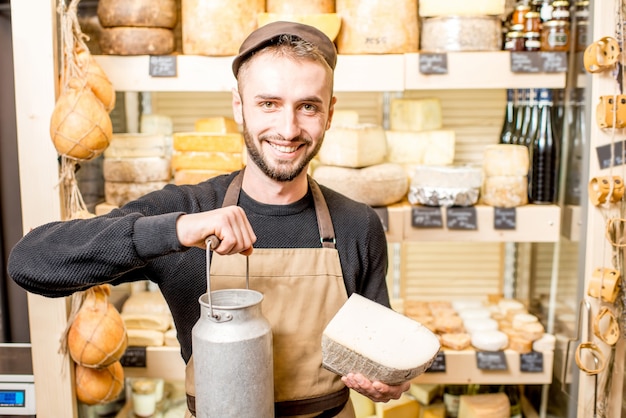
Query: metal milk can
point(232, 353)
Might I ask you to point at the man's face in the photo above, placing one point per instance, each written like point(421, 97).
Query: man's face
point(285, 107)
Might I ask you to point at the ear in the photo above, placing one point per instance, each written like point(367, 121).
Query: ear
point(237, 107)
point(331, 111)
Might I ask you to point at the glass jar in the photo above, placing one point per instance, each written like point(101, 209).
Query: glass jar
point(581, 13)
point(514, 41)
point(582, 30)
point(533, 22)
point(560, 10)
point(532, 41)
point(518, 17)
point(555, 36)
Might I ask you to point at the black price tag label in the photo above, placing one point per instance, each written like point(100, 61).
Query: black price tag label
point(504, 218)
point(538, 61)
point(383, 214)
point(462, 218)
point(426, 217)
point(554, 62)
point(531, 362)
point(491, 360)
point(604, 155)
point(134, 357)
point(163, 65)
point(439, 364)
point(433, 63)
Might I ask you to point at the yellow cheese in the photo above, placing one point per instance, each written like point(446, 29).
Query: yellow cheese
point(171, 339)
point(355, 146)
point(415, 115)
point(300, 6)
point(488, 405)
point(345, 117)
point(145, 337)
point(424, 393)
point(328, 23)
point(505, 160)
point(217, 124)
point(437, 410)
point(428, 8)
point(104, 208)
point(156, 124)
point(194, 160)
point(195, 176)
point(157, 322)
point(363, 406)
point(405, 407)
point(120, 193)
point(208, 142)
point(427, 147)
point(125, 145)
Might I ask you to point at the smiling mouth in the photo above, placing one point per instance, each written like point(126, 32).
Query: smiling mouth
point(284, 148)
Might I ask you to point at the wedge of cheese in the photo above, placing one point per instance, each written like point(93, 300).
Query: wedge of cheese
point(405, 407)
point(430, 8)
point(415, 115)
point(196, 160)
point(208, 142)
point(427, 147)
point(424, 393)
point(363, 406)
point(368, 338)
point(355, 146)
point(216, 124)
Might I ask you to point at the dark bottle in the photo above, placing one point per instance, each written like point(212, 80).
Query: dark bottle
point(509, 118)
point(544, 155)
point(513, 393)
point(520, 114)
point(576, 144)
point(531, 119)
point(558, 111)
point(451, 399)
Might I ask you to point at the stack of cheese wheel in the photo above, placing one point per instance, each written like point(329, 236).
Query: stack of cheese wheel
point(137, 27)
point(352, 162)
point(218, 27)
point(215, 147)
point(134, 165)
point(373, 27)
point(318, 13)
point(148, 320)
point(505, 175)
point(459, 25)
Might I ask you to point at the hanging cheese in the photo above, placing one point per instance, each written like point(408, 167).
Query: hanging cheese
point(373, 27)
point(99, 386)
point(120, 193)
point(300, 6)
point(428, 8)
point(208, 142)
point(328, 23)
point(195, 160)
point(368, 338)
point(405, 407)
point(354, 146)
point(505, 191)
point(376, 185)
point(505, 160)
point(427, 147)
point(97, 80)
point(128, 145)
point(196, 176)
point(488, 405)
point(218, 27)
point(216, 124)
point(144, 13)
point(155, 124)
point(415, 115)
point(136, 169)
point(126, 40)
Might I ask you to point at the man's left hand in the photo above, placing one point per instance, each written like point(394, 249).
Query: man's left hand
point(376, 391)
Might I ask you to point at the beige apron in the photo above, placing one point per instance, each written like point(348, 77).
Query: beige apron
point(303, 288)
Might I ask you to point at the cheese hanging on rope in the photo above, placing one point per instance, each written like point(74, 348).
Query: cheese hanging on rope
point(98, 386)
point(97, 79)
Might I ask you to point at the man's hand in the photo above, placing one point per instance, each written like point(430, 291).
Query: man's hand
point(376, 391)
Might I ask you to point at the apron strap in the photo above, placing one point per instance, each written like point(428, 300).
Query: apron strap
point(324, 222)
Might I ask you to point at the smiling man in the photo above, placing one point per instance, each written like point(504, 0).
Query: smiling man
point(309, 247)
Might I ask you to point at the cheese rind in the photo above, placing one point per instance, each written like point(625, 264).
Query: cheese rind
point(156, 124)
point(125, 145)
point(196, 160)
point(415, 115)
point(356, 146)
point(428, 8)
point(126, 40)
point(208, 142)
point(427, 147)
point(120, 193)
point(136, 170)
point(505, 191)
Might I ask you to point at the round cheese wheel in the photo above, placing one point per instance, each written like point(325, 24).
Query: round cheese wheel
point(377, 185)
point(98, 386)
point(126, 145)
point(490, 340)
point(126, 40)
point(300, 6)
point(137, 170)
point(480, 325)
point(120, 193)
point(475, 313)
point(144, 13)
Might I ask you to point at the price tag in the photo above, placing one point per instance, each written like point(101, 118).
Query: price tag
point(491, 360)
point(383, 214)
point(554, 62)
point(536, 62)
point(426, 217)
point(531, 362)
point(439, 364)
point(504, 218)
point(163, 65)
point(462, 218)
point(433, 63)
point(134, 357)
point(604, 155)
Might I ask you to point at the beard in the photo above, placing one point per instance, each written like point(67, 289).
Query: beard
point(283, 170)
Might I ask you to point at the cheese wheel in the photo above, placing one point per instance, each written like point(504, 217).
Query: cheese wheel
point(490, 340)
point(143, 13)
point(474, 313)
point(146, 302)
point(427, 147)
point(415, 114)
point(156, 124)
point(195, 176)
point(505, 160)
point(377, 185)
point(520, 344)
point(328, 23)
point(461, 33)
point(505, 191)
point(145, 337)
point(136, 170)
point(126, 40)
point(216, 124)
point(480, 325)
point(373, 27)
point(523, 319)
point(218, 27)
point(208, 142)
point(127, 145)
point(156, 322)
point(196, 160)
point(120, 193)
point(355, 146)
point(456, 340)
point(546, 342)
point(302, 7)
point(428, 8)
point(487, 405)
point(368, 338)
point(449, 324)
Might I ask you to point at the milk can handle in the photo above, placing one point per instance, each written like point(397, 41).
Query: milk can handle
point(212, 242)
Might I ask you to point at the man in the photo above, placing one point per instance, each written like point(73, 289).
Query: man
point(313, 246)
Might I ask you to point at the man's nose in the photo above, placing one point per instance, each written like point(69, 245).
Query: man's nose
point(289, 126)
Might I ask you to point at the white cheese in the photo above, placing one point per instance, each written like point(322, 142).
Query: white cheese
point(480, 325)
point(120, 193)
point(429, 8)
point(427, 147)
point(124, 145)
point(136, 170)
point(368, 338)
point(415, 115)
point(490, 340)
point(355, 146)
point(156, 124)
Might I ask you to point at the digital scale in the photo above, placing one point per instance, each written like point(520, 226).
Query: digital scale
point(17, 383)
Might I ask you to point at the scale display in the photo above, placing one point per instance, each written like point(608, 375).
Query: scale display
point(12, 398)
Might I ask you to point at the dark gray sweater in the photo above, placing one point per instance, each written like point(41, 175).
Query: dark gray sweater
point(139, 242)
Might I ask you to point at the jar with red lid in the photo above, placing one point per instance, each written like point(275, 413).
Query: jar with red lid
point(560, 10)
point(555, 36)
point(514, 41)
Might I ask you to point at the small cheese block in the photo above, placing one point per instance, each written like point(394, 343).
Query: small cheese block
point(145, 337)
point(104, 208)
point(505, 191)
point(427, 147)
point(120, 193)
point(146, 302)
point(208, 142)
point(490, 340)
point(456, 340)
point(137, 169)
point(126, 40)
point(520, 320)
point(363, 406)
point(217, 124)
point(125, 145)
point(480, 325)
point(157, 322)
point(487, 405)
point(345, 117)
point(328, 23)
point(449, 324)
point(424, 393)
point(546, 342)
point(505, 160)
point(428, 8)
point(196, 160)
point(437, 410)
point(405, 407)
point(474, 313)
point(520, 344)
point(355, 146)
point(376, 185)
point(156, 124)
point(415, 115)
point(195, 176)
point(368, 338)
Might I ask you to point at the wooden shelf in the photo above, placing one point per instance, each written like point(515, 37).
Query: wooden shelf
point(572, 222)
point(161, 362)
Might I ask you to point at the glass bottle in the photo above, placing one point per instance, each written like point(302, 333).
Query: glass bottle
point(520, 114)
point(544, 155)
point(530, 118)
point(451, 399)
point(509, 118)
point(513, 393)
point(577, 141)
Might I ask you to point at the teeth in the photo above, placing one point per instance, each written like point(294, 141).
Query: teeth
point(282, 148)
